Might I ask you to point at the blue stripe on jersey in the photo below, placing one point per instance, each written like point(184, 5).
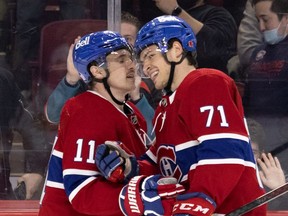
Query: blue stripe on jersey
point(225, 148)
point(214, 151)
point(73, 181)
point(55, 169)
point(75, 177)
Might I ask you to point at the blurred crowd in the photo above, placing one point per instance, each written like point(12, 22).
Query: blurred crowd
point(246, 39)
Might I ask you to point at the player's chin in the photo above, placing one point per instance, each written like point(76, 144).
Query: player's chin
point(131, 82)
point(158, 85)
point(130, 86)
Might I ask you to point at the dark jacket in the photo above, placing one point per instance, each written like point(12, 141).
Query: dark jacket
point(14, 116)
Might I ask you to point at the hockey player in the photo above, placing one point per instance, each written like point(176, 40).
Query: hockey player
point(74, 186)
point(201, 137)
point(72, 85)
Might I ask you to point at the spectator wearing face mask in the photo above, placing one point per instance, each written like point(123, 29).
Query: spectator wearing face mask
point(266, 88)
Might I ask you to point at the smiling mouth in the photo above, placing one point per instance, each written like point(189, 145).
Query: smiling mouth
point(153, 76)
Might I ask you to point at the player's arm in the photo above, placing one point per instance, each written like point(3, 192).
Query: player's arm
point(216, 121)
point(115, 162)
point(68, 87)
point(118, 164)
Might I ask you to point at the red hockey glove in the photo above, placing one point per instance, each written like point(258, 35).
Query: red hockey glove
point(193, 204)
point(115, 163)
point(152, 195)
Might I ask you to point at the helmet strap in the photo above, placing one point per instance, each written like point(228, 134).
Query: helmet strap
point(107, 87)
point(167, 90)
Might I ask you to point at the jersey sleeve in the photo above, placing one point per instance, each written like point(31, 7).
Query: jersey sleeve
point(212, 112)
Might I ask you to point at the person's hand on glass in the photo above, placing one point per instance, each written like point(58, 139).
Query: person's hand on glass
point(271, 173)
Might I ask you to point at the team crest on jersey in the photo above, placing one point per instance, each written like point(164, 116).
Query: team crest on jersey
point(134, 119)
point(164, 102)
point(167, 160)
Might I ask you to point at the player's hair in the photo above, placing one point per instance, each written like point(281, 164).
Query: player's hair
point(127, 17)
point(254, 2)
point(280, 7)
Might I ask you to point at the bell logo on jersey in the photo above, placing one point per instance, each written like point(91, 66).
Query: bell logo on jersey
point(83, 42)
point(188, 208)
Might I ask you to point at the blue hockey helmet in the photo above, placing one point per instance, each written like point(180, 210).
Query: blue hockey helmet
point(95, 47)
point(163, 28)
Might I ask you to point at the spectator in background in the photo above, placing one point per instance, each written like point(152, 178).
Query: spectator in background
point(235, 8)
point(266, 87)
point(249, 35)
point(13, 116)
point(29, 20)
point(215, 30)
point(248, 38)
point(271, 172)
point(4, 32)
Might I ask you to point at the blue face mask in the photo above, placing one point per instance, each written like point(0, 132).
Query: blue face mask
point(272, 36)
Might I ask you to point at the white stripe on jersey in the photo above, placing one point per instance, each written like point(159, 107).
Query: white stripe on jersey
point(57, 153)
point(151, 156)
point(223, 161)
point(80, 172)
point(186, 145)
point(77, 189)
point(219, 161)
point(55, 184)
point(223, 135)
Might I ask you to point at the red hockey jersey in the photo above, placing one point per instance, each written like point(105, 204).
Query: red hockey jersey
point(201, 139)
point(74, 185)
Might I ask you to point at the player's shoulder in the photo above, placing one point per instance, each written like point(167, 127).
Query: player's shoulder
point(204, 79)
point(208, 74)
point(86, 100)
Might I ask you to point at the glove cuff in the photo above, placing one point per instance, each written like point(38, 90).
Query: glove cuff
point(131, 170)
point(130, 199)
point(194, 204)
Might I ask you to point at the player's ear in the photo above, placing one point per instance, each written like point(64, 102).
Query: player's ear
point(97, 72)
point(176, 51)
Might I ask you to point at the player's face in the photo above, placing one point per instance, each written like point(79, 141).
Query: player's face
point(155, 66)
point(129, 32)
point(122, 71)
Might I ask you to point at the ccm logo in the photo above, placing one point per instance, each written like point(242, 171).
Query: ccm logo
point(188, 207)
point(83, 42)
